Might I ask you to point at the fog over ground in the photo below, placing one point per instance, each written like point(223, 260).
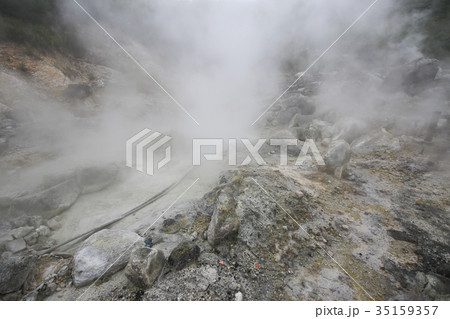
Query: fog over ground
point(225, 62)
point(363, 216)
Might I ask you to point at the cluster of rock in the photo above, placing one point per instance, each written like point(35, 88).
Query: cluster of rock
point(18, 248)
point(29, 220)
point(262, 233)
point(238, 243)
point(30, 232)
point(338, 136)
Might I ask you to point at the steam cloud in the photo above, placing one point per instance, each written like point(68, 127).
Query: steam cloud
point(225, 62)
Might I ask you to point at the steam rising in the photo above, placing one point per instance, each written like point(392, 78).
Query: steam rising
point(225, 62)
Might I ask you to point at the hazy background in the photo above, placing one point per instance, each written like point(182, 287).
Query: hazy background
point(224, 61)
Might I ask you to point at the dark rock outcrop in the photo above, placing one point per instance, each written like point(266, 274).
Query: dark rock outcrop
point(14, 270)
point(183, 255)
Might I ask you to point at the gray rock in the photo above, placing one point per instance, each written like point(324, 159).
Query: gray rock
point(31, 239)
point(35, 221)
point(184, 254)
point(238, 296)
point(21, 232)
point(167, 242)
point(106, 251)
point(49, 202)
point(54, 224)
point(16, 245)
point(349, 129)
point(14, 270)
point(315, 130)
point(145, 266)
point(194, 282)
point(208, 259)
point(94, 179)
point(376, 142)
point(432, 287)
point(337, 156)
point(6, 238)
point(224, 223)
point(43, 231)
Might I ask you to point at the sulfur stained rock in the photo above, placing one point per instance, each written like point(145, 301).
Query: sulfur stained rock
point(224, 223)
point(145, 266)
point(184, 254)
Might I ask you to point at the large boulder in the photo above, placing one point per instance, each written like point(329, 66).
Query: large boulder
point(224, 223)
point(184, 254)
point(49, 202)
point(337, 156)
point(432, 286)
point(145, 266)
point(105, 252)
point(16, 245)
point(14, 270)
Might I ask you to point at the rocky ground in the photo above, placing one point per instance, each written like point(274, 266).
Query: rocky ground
point(373, 223)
